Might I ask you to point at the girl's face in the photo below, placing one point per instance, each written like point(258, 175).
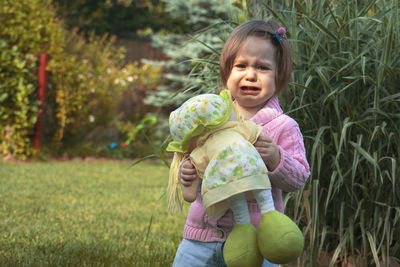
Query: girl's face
point(252, 79)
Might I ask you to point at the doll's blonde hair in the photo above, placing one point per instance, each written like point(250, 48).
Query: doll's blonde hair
point(174, 191)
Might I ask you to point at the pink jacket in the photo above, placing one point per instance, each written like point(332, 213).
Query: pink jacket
point(290, 175)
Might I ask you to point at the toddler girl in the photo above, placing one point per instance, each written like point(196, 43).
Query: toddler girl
point(221, 149)
point(255, 66)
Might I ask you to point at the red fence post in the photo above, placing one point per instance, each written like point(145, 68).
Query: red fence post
point(41, 95)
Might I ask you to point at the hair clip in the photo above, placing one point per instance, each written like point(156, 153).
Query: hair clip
point(280, 35)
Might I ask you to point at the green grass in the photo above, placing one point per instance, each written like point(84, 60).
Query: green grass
point(86, 214)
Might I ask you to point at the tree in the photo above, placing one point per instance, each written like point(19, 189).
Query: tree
point(192, 67)
point(117, 16)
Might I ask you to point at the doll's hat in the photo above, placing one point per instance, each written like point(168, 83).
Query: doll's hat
point(198, 114)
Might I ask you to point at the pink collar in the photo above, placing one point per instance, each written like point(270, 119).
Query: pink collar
point(270, 111)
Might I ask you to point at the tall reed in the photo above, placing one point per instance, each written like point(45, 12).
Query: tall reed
point(345, 94)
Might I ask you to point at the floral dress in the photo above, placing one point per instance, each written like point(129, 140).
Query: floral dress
point(229, 164)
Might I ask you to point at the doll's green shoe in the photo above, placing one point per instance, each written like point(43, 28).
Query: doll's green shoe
point(279, 239)
point(241, 247)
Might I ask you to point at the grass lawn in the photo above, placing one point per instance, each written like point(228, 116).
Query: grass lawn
point(86, 214)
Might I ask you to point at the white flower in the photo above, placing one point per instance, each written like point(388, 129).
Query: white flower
point(91, 118)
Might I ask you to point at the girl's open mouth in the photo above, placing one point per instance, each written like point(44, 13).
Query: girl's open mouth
point(249, 89)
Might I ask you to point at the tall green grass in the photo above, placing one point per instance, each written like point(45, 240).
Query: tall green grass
point(345, 94)
point(86, 214)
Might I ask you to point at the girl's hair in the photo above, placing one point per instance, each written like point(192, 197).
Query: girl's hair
point(262, 29)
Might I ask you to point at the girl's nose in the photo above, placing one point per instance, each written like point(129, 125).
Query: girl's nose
point(251, 74)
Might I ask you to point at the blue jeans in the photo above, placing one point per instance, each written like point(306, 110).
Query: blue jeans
point(201, 254)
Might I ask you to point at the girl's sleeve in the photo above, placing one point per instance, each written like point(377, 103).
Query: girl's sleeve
point(293, 169)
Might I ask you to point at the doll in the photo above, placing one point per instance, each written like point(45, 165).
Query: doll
point(232, 171)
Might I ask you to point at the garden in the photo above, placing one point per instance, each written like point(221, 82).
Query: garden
point(83, 164)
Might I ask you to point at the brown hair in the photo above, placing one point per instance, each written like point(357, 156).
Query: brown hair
point(263, 29)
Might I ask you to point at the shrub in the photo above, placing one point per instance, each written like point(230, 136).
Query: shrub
point(87, 76)
point(27, 28)
point(18, 110)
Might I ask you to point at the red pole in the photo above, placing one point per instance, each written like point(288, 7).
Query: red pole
point(41, 94)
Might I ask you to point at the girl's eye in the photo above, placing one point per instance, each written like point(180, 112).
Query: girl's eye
point(240, 66)
point(263, 68)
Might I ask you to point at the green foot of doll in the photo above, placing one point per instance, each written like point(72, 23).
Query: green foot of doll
point(241, 247)
point(279, 239)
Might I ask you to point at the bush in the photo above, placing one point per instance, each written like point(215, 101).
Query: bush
point(18, 110)
point(93, 79)
point(28, 28)
point(87, 76)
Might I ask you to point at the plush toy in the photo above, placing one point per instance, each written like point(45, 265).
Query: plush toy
point(232, 171)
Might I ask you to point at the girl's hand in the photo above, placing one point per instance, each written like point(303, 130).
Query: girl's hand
point(269, 151)
point(187, 173)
